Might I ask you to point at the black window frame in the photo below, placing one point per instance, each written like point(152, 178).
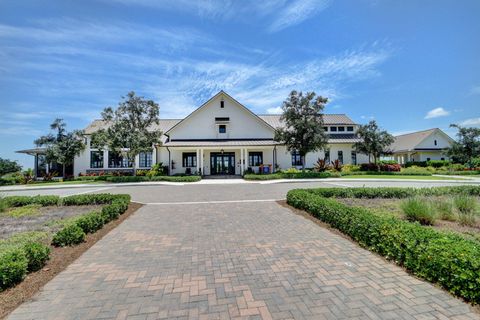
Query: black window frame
point(341, 129)
point(350, 128)
point(340, 156)
point(145, 159)
point(325, 129)
point(222, 104)
point(354, 157)
point(255, 158)
point(296, 158)
point(327, 156)
point(435, 142)
point(98, 163)
point(333, 129)
point(224, 126)
point(189, 159)
point(117, 161)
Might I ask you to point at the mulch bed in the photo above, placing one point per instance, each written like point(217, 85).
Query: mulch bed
point(60, 258)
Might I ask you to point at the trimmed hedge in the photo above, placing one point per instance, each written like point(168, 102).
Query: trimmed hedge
point(37, 255)
point(13, 267)
point(460, 173)
point(393, 192)
point(291, 175)
point(20, 201)
point(443, 258)
point(75, 233)
point(123, 179)
point(385, 173)
point(68, 236)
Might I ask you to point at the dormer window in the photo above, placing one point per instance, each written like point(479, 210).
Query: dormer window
point(222, 104)
point(341, 128)
point(435, 142)
point(350, 129)
point(333, 129)
point(222, 128)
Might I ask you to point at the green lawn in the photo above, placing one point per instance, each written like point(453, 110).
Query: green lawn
point(371, 176)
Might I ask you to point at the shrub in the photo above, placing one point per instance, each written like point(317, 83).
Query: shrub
point(387, 162)
point(68, 236)
point(320, 165)
point(91, 199)
point(180, 178)
point(445, 258)
point(297, 175)
point(13, 267)
point(350, 168)
point(444, 209)
point(438, 163)
point(415, 170)
point(292, 170)
point(394, 192)
point(3, 204)
point(415, 164)
point(369, 167)
point(37, 255)
point(28, 210)
point(20, 201)
point(474, 163)
point(418, 209)
point(466, 207)
point(337, 165)
point(90, 222)
point(390, 167)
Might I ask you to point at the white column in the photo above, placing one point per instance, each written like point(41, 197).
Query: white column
point(105, 158)
point(201, 161)
point(198, 159)
point(154, 155)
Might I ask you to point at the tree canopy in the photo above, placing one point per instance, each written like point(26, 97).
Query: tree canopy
point(467, 145)
point(303, 117)
point(375, 142)
point(63, 146)
point(130, 128)
point(9, 166)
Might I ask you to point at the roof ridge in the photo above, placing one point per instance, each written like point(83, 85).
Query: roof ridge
point(406, 134)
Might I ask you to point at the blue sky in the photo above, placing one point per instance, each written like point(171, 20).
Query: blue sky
point(410, 65)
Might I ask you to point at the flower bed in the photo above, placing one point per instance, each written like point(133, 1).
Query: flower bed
point(444, 258)
point(293, 175)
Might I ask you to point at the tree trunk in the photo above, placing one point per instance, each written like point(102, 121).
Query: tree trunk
point(63, 171)
point(134, 167)
point(303, 162)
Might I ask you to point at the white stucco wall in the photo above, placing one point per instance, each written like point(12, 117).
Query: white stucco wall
point(429, 142)
point(201, 124)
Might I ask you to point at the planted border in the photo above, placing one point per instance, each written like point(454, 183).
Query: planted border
point(123, 179)
point(444, 258)
point(23, 254)
point(292, 175)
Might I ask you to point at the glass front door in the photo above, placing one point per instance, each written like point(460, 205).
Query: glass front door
point(222, 163)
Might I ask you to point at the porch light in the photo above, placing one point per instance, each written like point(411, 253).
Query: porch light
point(222, 151)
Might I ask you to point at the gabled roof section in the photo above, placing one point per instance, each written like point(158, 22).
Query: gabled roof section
point(328, 119)
point(163, 125)
point(214, 97)
point(409, 141)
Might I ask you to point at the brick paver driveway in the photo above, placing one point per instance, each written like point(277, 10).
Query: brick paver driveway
point(251, 260)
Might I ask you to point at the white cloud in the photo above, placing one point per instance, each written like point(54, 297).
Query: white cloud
point(437, 112)
point(297, 12)
point(275, 110)
point(471, 122)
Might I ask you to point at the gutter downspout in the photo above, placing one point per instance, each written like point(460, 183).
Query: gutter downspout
point(169, 157)
point(274, 156)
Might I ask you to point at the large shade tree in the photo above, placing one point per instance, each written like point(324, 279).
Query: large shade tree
point(130, 129)
point(8, 166)
point(303, 117)
point(467, 145)
point(61, 147)
point(374, 142)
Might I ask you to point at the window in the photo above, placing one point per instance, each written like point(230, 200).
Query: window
point(354, 157)
point(327, 156)
point(428, 159)
point(189, 159)
point(325, 129)
point(341, 128)
point(222, 104)
point(145, 159)
point(296, 158)
point(435, 142)
point(350, 129)
point(222, 128)
point(255, 159)
point(117, 160)
point(340, 156)
point(333, 129)
point(96, 159)
point(222, 118)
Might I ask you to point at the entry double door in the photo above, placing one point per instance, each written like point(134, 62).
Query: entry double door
point(222, 163)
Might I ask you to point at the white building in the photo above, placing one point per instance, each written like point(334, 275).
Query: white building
point(222, 137)
point(421, 146)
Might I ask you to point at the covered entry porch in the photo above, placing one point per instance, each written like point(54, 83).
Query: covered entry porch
point(221, 159)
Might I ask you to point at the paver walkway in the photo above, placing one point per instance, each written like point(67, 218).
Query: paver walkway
point(250, 260)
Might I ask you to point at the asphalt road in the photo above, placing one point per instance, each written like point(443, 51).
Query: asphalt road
point(220, 192)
